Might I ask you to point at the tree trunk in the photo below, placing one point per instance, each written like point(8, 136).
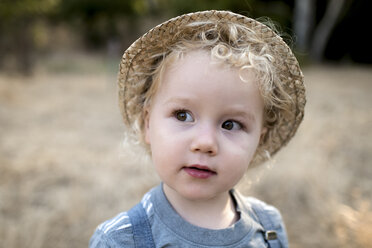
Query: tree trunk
point(324, 29)
point(303, 21)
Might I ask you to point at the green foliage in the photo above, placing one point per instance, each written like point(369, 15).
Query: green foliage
point(99, 21)
point(24, 23)
point(90, 8)
point(18, 19)
point(14, 9)
point(279, 10)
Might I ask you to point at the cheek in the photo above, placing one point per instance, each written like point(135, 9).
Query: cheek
point(164, 145)
point(244, 145)
point(240, 161)
point(240, 152)
point(152, 127)
point(235, 170)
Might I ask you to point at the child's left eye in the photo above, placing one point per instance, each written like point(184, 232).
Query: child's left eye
point(183, 115)
point(231, 125)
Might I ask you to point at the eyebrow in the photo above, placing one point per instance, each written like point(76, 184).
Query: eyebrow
point(181, 100)
point(247, 115)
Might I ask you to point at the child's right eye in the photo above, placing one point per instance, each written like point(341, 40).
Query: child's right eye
point(183, 115)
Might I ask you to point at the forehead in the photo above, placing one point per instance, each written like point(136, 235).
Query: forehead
point(200, 65)
point(199, 78)
point(194, 64)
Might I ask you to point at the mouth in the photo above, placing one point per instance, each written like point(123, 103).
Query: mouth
point(199, 171)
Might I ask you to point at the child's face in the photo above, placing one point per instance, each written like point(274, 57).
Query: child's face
point(203, 126)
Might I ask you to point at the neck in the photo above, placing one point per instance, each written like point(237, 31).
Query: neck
point(214, 213)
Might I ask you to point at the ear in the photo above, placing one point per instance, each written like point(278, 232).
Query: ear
point(263, 134)
point(146, 123)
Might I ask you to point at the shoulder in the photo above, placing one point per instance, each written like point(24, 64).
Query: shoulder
point(117, 231)
point(267, 216)
point(270, 211)
point(114, 232)
point(254, 205)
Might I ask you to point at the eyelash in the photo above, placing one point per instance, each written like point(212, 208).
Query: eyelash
point(178, 111)
point(241, 125)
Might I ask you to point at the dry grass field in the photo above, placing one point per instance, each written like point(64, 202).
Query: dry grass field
point(64, 168)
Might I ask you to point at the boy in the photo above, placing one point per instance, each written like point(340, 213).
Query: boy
point(209, 94)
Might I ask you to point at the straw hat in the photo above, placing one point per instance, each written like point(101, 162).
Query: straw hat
point(139, 59)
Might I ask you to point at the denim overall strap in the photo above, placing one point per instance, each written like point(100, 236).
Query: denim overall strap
point(142, 234)
point(271, 236)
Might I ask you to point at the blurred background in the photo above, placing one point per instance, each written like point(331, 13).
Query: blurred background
point(64, 167)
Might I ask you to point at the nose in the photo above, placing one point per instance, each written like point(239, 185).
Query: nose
point(205, 141)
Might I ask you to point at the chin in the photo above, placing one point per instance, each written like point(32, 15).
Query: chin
point(198, 193)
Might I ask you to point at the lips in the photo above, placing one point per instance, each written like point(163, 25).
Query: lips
point(199, 171)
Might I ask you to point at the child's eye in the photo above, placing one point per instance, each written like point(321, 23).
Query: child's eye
point(231, 125)
point(183, 115)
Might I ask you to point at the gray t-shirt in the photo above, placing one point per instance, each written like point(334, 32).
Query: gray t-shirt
point(169, 229)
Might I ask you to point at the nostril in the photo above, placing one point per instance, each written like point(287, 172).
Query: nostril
point(210, 150)
point(205, 143)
